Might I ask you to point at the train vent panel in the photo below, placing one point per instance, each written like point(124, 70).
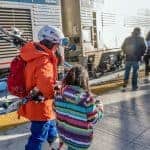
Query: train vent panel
point(13, 17)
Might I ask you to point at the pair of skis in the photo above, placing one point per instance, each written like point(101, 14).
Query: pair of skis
point(14, 36)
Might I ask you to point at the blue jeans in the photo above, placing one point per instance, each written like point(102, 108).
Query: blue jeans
point(128, 66)
point(41, 131)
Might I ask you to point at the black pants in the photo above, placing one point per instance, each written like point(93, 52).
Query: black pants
point(147, 64)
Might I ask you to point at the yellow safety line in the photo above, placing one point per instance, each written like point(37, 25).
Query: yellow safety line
point(99, 89)
point(10, 120)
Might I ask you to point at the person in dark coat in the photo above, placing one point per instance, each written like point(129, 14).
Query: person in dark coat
point(134, 48)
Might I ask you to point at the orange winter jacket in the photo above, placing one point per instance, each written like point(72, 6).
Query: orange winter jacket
point(40, 72)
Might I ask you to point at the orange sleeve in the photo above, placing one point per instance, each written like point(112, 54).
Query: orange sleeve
point(45, 78)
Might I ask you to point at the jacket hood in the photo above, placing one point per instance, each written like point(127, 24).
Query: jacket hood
point(31, 51)
point(75, 94)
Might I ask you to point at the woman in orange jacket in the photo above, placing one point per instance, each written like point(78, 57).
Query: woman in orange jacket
point(41, 73)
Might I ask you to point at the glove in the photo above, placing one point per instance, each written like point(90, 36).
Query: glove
point(36, 96)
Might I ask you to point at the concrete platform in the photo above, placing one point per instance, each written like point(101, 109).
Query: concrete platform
point(9, 118)
point(126, 124)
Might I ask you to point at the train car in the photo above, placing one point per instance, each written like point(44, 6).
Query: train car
point(98, 32)
point(92, 29)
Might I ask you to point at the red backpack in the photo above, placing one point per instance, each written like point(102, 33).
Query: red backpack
point(16, 81)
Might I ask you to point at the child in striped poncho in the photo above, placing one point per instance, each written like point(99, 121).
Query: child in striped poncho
point(76, 110)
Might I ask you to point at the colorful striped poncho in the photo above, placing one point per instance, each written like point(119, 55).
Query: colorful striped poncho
point(76, 114)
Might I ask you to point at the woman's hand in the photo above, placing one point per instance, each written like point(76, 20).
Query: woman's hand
point(100, 107)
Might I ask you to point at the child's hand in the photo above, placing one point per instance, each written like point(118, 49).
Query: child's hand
point(100, 107)
point(99, 104)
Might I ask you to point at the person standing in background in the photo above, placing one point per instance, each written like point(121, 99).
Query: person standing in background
point(134, 48)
